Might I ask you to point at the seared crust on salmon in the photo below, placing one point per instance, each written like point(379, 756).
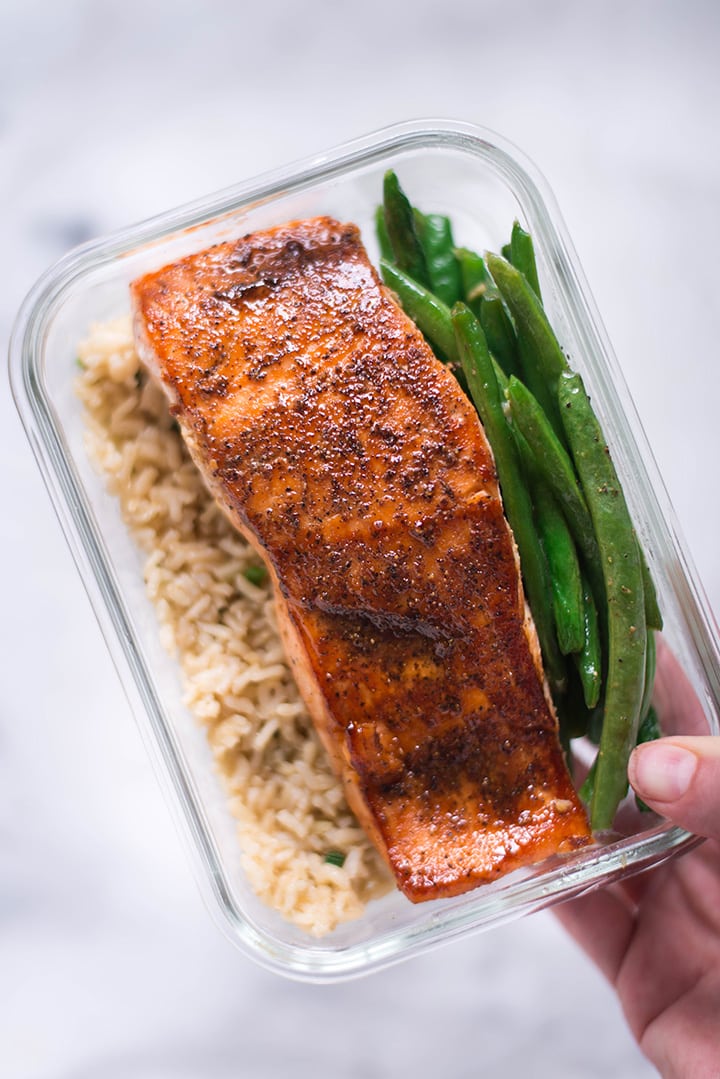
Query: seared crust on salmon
point(352, 460)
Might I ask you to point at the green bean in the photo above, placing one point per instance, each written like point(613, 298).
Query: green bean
point(430, 314)
point(506, 251)
point(571, 706)
point(595, 726)
point(537, 339)
point(401, 230)
point(650, 667)
point(557, 470)
point(543, 362)
point(438, 246)
point(475, 279)
point(649, 728)
point(587, 790)
point(542, 358)
point(620, 558)
point(483, 299)
point(559, 548)
point(522, 256)
point(653, 615)
point(433, 318)
point(573, 713)
point(648, 731)
point(565, 579)
point(386, 251)
point(500, 333)
point(482, 381)
point(589, 659)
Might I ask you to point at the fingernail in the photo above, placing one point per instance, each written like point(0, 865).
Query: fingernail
point(661, 773)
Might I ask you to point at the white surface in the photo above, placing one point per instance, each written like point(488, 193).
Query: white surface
point(109, 964)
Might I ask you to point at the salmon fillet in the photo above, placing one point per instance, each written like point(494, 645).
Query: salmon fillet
point(349, 456)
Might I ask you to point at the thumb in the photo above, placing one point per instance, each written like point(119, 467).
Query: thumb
point(680, 779)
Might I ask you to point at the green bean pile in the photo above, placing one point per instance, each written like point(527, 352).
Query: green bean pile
point(586, 578)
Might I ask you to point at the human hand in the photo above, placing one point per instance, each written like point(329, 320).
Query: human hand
point(657, 936)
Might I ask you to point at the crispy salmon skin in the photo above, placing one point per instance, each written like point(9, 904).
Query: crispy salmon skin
point(352, 460)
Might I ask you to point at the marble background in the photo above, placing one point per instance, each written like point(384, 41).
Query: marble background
point(110, 966)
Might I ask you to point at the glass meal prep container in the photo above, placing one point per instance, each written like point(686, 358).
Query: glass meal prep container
point(483, 184)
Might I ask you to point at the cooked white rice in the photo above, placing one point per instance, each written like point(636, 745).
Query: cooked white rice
point(289, 805)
